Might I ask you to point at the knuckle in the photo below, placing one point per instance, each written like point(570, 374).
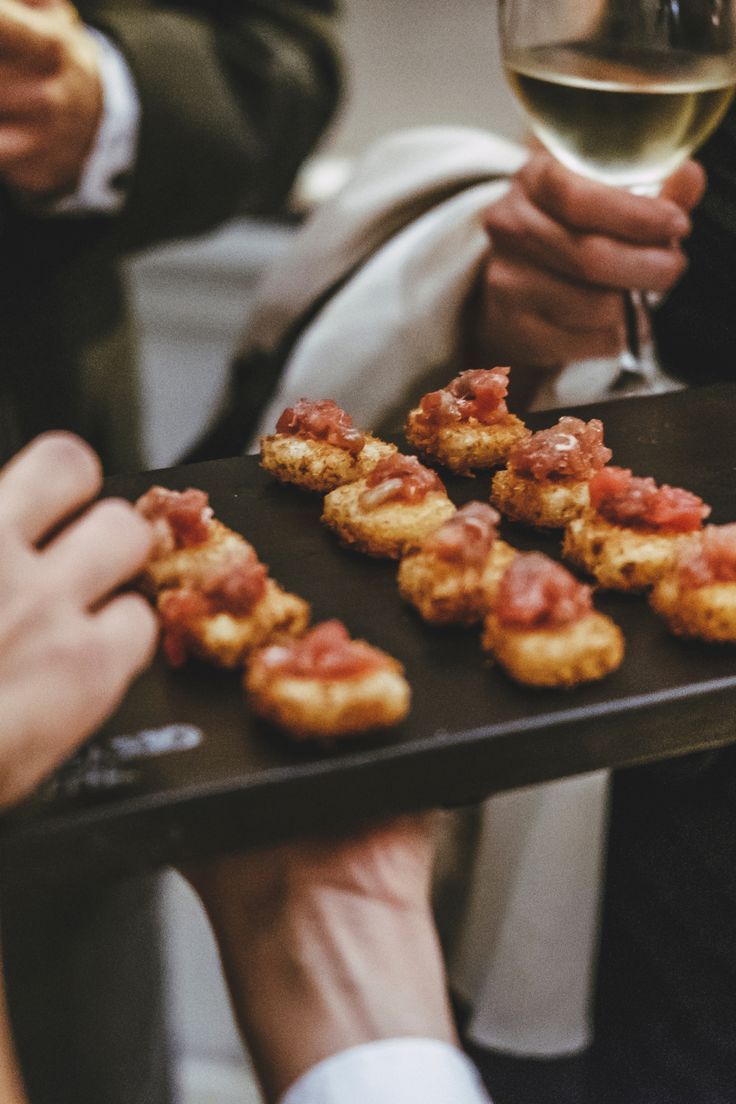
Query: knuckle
point(52, 99)
point(51, 50)
point(498, 278)
point(590, 258)
point(505, 219)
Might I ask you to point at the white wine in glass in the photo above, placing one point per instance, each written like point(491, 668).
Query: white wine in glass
point(621, 91)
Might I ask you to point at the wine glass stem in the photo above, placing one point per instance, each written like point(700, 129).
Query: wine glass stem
point(634, 308)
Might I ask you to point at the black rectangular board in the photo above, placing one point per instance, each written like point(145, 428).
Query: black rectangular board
point(183, 770)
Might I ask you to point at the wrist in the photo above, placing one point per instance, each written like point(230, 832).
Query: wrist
point(335, 971)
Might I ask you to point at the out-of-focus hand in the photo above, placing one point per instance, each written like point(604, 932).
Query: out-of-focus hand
point(50, 97)
point(563, 248)
point(329, 944)
point(67, 648)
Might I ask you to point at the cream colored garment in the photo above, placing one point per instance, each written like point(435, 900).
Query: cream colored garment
point(411, 220)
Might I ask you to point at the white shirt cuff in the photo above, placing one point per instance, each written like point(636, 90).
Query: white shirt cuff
point(392, 1071)
point(102, 188)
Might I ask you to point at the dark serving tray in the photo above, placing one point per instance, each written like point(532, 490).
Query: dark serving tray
point(184, 770)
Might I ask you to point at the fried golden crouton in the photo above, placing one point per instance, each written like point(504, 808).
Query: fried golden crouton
point(583, 651)
point(545, 503)
point(546, 478)
point(451, 594)
point(697, 596)
point(466, 425)
point(188, 565)
point(617, 557)
point(391, 510)
point(327, 686)
point(224, 638)
point(542, 627)
point(708, 613)
point(453, 577)
point(634, 527)
point(189, 542)
point(389, 530)
point(465, 447)
point(318, 465)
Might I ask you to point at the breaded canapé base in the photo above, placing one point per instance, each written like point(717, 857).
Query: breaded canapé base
point(392, 529)
point(226, 639)
point(707, 612)
point(545, 503)
point(445, 593)
point(187, 565)
point(465, 447)
point(317, 465)
point(582, 652)
point(619, 558)
point(325, 709)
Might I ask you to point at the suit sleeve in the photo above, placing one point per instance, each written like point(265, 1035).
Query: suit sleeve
point(233, 96)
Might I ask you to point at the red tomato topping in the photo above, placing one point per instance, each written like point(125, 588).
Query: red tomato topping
point(234, 586)
point(572, 449)
point(178, 610)
point(180, 519)
point(398, 478)
point(325, 652)
point(638, 503)
point(467, 537)
point(478, 393)
point(538, 593)
point(322, 420)
point(709, 557)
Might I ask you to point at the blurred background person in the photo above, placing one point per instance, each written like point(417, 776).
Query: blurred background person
point(121, 125)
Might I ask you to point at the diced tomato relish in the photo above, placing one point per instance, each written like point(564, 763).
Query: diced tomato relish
point(322, 420)
point(571, 449)
point(639, 503)
point(325, 652)
point(187, 516)
point(398, 478)
point(708, 557)
point(467, 537)
point(535, 592)
point(479, 393)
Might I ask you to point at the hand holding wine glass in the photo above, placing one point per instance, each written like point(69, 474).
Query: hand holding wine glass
point(621, 92)
point(564, 250)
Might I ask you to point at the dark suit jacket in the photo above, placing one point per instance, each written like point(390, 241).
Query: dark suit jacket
point(233, 95)
point(696, 327)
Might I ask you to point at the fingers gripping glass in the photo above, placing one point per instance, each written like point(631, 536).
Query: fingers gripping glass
point(621, 91)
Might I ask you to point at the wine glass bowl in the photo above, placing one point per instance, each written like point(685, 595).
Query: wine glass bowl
point(621, 91)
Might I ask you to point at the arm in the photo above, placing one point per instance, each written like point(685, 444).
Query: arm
point(329, 946)
point(232, 96)
point(67, 648)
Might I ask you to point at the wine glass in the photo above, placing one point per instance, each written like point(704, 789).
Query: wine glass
point(621, 91)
